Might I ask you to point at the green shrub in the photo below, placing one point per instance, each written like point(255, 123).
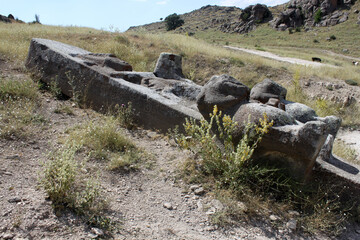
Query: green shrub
point(227, 164)
point(69, 188)
point(332, 37)
point(317, 16)
point(100, 139)
point(316, 41)
point(125, 115)
point(173, 21)
point(297, 29)
point(351, 82)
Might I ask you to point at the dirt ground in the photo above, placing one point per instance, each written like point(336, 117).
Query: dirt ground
point(151, 203)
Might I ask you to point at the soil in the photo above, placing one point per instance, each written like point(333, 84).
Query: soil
point(151, 203)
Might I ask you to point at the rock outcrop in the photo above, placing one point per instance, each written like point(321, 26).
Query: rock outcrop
point(4, 19)
point(249, 18)
point(297, 135)
point(312, 13)
point(101, 81)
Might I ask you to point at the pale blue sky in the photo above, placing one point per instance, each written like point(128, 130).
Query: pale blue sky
point(110, 14)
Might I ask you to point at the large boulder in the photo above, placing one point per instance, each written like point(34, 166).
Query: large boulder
point(297, 135)
point(267, 89)
point(102, 81)
point(169, 66)
point(224, 91)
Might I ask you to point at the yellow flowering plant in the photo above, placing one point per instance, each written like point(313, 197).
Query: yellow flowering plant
point(213, 141)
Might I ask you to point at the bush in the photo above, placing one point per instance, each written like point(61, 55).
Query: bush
point(332, 37)
point(351, 82)
point(173, 21)
point(226, 164)
point(317, 16)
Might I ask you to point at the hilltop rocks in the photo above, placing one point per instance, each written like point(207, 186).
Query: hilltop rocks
point(312, 13)
point(250, 16)
point(297, 135)
point(4, 19)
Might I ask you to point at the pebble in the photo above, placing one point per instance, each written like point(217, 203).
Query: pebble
point(194, 187)
point(199, 191)
point(8, 236)
point(291, 224)
point(358, 231)
point(294, 213)
point(211, 211)
point(14, 200)
point(96, 231)
point(274, 218)
point(8, 173)
point(168, 205)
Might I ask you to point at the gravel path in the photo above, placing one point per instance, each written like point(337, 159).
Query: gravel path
point(281, 59)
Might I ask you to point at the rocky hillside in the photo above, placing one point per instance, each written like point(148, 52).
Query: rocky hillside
point(293, 14)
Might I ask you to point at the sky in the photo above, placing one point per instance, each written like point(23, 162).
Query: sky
point(113, 15)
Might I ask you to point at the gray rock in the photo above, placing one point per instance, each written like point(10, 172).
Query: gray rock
point(8, 236)
point(97, 231)
point(224, 91)
point(199, 191)
point(300, 112)
point(96, 84)
point(267, 89)
point(14, 200)
point(291, 224)
point(274, 217)
point(168, 205)
point(169, 66)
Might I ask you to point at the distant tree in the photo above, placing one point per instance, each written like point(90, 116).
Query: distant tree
point(37, 19)
point(173, 21)
point(161, 19)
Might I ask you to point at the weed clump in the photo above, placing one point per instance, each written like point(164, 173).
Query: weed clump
point(69, 188)
point(18, 109)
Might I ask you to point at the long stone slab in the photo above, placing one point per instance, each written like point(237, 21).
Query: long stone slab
point(94, 84)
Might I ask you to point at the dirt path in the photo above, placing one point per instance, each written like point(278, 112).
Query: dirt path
point(281, 59)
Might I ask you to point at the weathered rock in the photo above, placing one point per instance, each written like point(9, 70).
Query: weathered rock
point(297, 135)
point(101, 86)
point(249, 18)
point(224, 91)
point(169, 66)
point(303, 12)
point(300, 112)
point(267, 89)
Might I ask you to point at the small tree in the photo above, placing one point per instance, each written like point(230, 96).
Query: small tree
point(37, 18)
point(318, 15)
point(173, 21)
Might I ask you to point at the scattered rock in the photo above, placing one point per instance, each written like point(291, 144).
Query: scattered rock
point(168, 205)
point(199, 191)
point(8, 236)
point(274, 218)
point(14, 200)
point(97, 231)
point(294, 213)
point(291, 224)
